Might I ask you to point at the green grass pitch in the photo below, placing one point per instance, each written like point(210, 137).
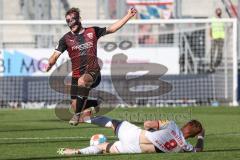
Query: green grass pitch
point(36, 134)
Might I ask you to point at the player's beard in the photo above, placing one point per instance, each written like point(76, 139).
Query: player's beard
point(74, 24)
point(76, 28)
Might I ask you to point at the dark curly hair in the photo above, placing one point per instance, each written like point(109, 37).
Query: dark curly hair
point(196, 127)
point(73, 10)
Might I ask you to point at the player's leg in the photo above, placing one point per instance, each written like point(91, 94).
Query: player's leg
point(80, 103)
point(86, 80)
point(220, 43)
point(74, 98)
point(91, 107)
point(101, 148)
point(90, 80)
point(74, 93)
point(94, 104)
point(212, 56)
point(74, 151)
point(103, 121)
point(98, 149)
point(127, 133)
point(76, 102)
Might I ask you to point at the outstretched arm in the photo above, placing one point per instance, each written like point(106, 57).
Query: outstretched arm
point(200, 142)
point(116, 26)
point(52, 60)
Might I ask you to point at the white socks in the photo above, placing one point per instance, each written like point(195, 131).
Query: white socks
point(101, 121)
point(90, 150)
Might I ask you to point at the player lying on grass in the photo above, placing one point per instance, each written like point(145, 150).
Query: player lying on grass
point(157, 136)
point(81, 44)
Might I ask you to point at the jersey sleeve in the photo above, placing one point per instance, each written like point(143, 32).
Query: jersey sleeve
point(100, 31)
point(163, 124)
point(61, 46)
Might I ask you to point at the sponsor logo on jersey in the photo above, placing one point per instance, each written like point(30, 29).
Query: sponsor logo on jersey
point(177, 137)
point(83, 46)
point(90, 35)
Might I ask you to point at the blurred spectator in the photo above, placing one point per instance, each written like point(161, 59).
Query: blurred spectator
point(21, 4)
point(217, 33)
point(65, 4)
point(112, 9)
point(145, 38)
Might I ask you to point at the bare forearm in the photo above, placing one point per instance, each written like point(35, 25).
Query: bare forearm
point(52, 60)
point(116, 26)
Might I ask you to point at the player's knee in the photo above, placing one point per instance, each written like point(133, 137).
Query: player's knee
point(73, 101)
point(88, 84)
point(85, 83)
point(81, 82)
point(107, 147)
point(103, 146)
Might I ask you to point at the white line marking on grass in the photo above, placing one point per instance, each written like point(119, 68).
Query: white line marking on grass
point(47, 138)
point(79, 137)
point(224, 134)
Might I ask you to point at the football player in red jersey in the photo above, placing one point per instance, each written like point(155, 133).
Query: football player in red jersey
point(81, 45)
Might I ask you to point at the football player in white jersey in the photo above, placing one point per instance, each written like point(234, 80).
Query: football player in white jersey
point(157, 136)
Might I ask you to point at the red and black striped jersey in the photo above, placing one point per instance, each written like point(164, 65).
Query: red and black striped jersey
point(82, 49)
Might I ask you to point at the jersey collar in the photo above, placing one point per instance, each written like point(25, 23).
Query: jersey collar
point(80, 32)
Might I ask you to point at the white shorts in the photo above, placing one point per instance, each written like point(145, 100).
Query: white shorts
point(129, 136)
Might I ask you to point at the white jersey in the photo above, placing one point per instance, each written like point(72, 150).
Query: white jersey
point(169, 138)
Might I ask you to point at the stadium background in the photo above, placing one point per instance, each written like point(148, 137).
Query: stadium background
point(26, 45)
point(174, 33)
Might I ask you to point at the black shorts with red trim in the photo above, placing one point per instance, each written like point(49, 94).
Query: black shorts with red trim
point(96, 81)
